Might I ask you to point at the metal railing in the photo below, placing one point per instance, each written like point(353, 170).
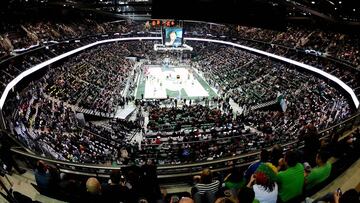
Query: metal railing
point(185, 170)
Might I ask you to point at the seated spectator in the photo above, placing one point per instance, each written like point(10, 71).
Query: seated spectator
point(291, 180)
point(93, 191)
point(206, 187)
point(337, 197)
point(276, 154)
point(142, 200)
point(69, 187)
point(321, 172)
point(264, 185)
point(224, 200)
point(116, 190)
point(246, 195)
point(206, 183)
point(186, 200)
point(264, 157)
point(235, 180)
point(349, 196)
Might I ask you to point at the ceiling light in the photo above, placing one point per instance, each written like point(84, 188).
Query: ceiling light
point(340, 2)
point(313, 2)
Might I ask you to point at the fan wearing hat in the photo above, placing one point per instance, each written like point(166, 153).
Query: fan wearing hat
point(263, 182)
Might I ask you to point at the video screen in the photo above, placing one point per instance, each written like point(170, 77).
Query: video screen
point(173, 36)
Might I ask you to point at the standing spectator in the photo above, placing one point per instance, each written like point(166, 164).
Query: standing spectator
point(149, 182)
point(45, 177)
point(115, 191)
point(6, 155)
point(312, 143)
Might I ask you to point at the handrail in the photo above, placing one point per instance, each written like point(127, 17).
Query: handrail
point(14, 149)
point(68, 163)
point(95, 166)
point(19, 144)
point(167, 167)
point(341, 123)
point(160, 176)
point(161, 167)
point(198, 141)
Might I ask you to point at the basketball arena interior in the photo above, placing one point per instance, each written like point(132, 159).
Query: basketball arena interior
point(194, 101)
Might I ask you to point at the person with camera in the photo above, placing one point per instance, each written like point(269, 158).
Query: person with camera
point(337, 197)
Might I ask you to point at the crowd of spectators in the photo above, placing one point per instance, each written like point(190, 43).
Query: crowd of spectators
point(52, 129)
point(96, 79)
point(339, 45)
point(187, 115)
point(293, 43)
point(261, 80)
point(343, 46)
point(130, 185)
point(347, 73)
point(278, 176)
point(93, 80)
point(23, 35)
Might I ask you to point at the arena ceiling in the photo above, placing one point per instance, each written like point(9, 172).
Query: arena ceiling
point(270, 13)
point(334, 10)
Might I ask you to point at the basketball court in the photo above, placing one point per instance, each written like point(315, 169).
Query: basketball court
point(161, 82)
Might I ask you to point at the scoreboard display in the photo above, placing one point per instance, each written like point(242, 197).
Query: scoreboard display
point(171, 30)
point(172, 36)
point(165, 23)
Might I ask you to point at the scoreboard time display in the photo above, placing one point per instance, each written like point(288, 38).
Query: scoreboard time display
point(165, 23)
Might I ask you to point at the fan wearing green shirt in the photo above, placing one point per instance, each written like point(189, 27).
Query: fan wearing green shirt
point(321, 172)
point(290, 181)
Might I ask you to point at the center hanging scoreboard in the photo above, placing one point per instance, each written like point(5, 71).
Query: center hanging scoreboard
point(172, 34)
